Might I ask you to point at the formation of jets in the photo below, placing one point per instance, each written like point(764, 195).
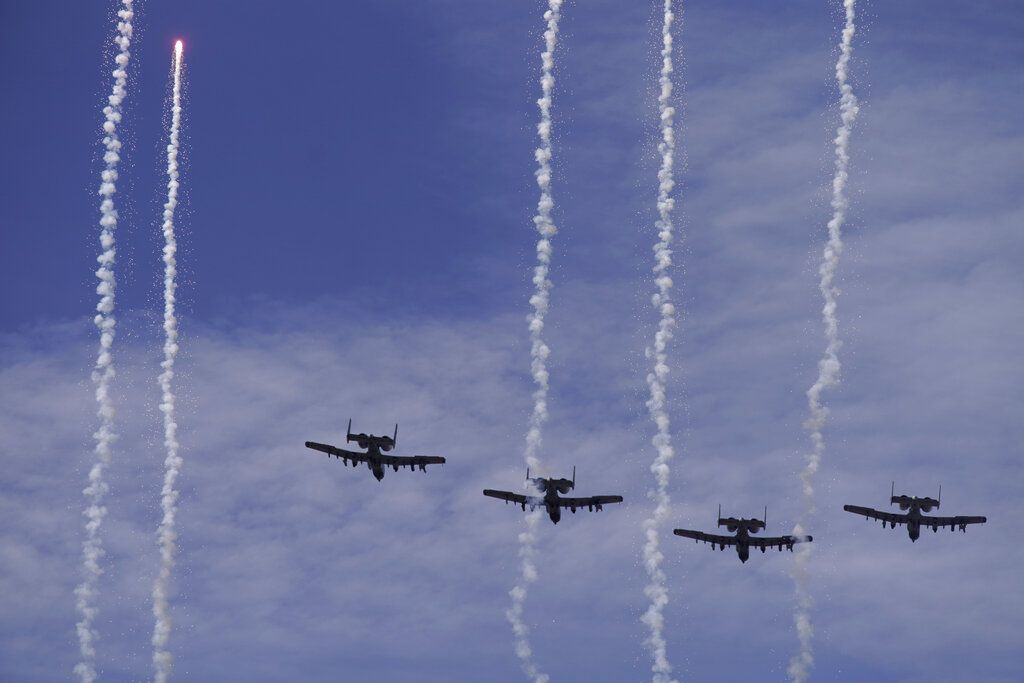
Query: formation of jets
point(548, 493)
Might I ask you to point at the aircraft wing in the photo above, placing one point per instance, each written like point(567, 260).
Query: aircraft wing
point(962, 522)
point(779, 542)
point(337, 452)
point(590, 503)
point(517, 498)
point(714, 539)
point(410, 461)
point(890, 518)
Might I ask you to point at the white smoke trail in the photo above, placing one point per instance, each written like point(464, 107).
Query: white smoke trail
point(103, 372)
point(828, 367)
point(656, 590)
point(172, 464)
point(539, 351)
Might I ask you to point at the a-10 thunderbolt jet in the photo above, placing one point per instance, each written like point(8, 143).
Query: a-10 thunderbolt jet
point(550, 488)
point(913, 517)
point(743, 540)
point(374, 456)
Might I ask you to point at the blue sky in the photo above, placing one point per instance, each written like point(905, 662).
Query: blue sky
point(356, 240)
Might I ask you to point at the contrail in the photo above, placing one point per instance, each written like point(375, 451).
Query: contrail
point(103, 372)
point(828, 367)
point(656, 590)
point(539, 351)
point(172, 464)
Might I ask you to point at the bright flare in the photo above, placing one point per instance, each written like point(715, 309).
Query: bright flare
point(166, 534)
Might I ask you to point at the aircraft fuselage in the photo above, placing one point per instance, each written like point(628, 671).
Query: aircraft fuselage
point(742, 544)
point(551, 503)
point(914, 527)
point(373, 462)
point(914, 522)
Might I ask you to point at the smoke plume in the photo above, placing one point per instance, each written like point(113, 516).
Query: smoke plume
point(828, 367)
point(539, 351)
point(103, 372)
point(656, 590)
point(166, 534)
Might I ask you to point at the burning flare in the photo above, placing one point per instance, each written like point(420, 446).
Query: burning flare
point(166, 534)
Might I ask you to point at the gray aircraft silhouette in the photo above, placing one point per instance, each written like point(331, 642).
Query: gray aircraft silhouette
point(374, 458)
point(913, 517)
point(743, 540)
point(550, 488)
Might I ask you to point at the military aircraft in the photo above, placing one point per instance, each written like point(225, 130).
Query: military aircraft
point(550, 488)
point(913, 518)
point(743, 540)
point(374, 456)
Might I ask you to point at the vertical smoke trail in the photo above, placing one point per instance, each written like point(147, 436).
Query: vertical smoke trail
point(656, 590)
point(828, 367)
point(103, 372)
point(169, 496)
point(539, 351)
